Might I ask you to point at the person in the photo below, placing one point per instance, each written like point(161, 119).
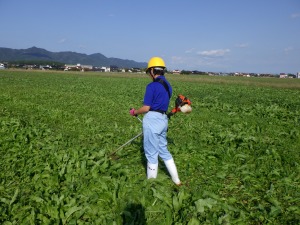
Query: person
point(155, 121)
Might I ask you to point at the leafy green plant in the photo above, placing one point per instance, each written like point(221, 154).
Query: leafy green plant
point(237, 153)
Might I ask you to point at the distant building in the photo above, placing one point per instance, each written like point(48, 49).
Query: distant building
point(2, 67)
point(283, 75)
point(105, 69)
point(45, 67)
point(298, 75)
point(114, 68)
point(176, 71)
point(78, 67)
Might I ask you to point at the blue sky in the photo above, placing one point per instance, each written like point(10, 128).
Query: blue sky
point(261, 36)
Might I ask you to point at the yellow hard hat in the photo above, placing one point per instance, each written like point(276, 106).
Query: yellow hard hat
point(156, 62)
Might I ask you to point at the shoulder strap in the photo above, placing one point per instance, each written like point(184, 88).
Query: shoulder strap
point(164, 84)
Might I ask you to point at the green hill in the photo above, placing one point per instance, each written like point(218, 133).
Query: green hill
point(39, 54)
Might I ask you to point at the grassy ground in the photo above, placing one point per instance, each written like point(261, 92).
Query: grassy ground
point(237, 153)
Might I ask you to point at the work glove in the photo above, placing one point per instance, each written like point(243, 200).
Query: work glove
point(131, 112)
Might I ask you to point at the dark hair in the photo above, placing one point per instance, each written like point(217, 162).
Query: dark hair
point(158, 71)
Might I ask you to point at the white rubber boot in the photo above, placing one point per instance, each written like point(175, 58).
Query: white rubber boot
point(152, 170)
point(170, 164)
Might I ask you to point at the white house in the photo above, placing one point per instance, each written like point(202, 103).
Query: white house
point(176, 71)
point(78, 67)
point(283, 75)
point(105, 69)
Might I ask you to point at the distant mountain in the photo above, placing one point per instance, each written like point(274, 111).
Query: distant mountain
point(39, 54)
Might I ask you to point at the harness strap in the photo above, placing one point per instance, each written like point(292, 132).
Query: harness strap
point(161, 81)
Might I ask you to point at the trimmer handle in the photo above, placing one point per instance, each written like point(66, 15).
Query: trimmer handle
point(134, 115)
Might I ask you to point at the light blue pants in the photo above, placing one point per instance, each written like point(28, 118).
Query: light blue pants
point(155, 126)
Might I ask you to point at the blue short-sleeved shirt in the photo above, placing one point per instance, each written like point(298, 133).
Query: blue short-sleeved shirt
point(156, 96)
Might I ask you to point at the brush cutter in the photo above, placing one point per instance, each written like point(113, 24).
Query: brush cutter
point(128, 142)
point(182, 104)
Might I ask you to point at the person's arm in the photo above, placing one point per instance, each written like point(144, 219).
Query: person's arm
point(142, 110)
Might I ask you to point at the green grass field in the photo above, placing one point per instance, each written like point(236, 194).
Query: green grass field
point(237, 153)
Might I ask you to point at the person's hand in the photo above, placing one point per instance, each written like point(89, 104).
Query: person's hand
point(131, 112)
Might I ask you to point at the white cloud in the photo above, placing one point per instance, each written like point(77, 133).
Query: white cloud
point(243, 45)
point(63, 40)
point(177, 59)
point(295, 15)
point(82, 46)
point(288, 49)
point(214, 53)
point(190, 50)
point(195, 63)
